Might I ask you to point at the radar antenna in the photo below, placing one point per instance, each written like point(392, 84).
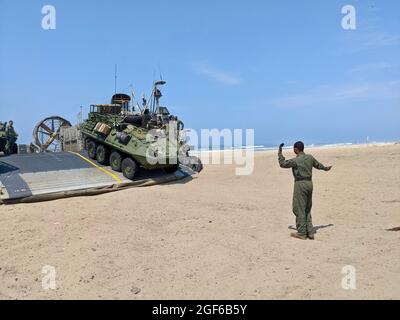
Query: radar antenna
point(156, 95)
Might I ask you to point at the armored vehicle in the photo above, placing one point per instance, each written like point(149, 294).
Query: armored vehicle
point(148, 136)
point(4, 139)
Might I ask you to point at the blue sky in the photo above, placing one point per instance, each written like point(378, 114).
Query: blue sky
point(285, 68)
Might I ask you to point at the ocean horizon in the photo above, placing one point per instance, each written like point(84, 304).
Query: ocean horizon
point(266, 147)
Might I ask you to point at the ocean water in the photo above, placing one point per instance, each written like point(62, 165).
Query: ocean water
point(266, 147)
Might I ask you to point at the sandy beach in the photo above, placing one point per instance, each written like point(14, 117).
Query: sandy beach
point(217, 236)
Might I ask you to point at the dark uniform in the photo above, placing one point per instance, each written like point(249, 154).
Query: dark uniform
point(11, 137)
point(302, 167)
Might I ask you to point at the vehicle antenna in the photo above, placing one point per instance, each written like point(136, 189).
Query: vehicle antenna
point(159, 70)
point(116, 76)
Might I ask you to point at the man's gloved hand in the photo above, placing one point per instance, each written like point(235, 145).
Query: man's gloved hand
point(328, 168)
point(281, 147)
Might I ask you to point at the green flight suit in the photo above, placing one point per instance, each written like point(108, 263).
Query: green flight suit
point(302, 167)
point(11, 136)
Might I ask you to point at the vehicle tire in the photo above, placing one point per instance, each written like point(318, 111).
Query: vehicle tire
point(102, 154)
point(86, 143)
point(91, 149)
point(129, 168)
point(15, 148)
point(115, 161)
point(172, 169)
point(196, 164)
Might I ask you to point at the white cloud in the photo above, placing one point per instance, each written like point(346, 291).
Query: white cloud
point(367, 39)
point(374, 67)
point(217, 75)
point(372, 31)
point(337, 94)
point(380, 39)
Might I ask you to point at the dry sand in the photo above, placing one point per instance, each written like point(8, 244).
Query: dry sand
point(218, 236)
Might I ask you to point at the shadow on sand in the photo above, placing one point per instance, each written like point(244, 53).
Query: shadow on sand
point(316, 228)
point(180, 181)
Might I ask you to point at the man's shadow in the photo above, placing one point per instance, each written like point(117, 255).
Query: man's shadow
point(316, 228)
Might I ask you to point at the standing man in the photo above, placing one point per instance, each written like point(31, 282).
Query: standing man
point(11, 137)
point(302, 167)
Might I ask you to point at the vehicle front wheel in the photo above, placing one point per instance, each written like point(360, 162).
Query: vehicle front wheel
point(15, 148)
point(91, 149)
point(115, 161)
point(129, 168)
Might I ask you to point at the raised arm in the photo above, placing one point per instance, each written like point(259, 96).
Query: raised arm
point(283, 162)
point(320, 166)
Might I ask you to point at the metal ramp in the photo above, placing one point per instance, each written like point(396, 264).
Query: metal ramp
point(48, 176)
